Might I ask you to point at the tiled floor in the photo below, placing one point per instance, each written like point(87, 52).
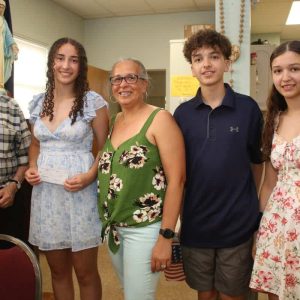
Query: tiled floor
point(166, 291)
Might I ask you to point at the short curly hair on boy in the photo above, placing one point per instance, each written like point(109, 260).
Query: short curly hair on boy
point(207, 38)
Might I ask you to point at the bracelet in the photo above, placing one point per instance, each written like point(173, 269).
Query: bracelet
point(18, 183)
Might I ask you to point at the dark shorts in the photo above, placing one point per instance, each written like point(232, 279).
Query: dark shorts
point(227, 270)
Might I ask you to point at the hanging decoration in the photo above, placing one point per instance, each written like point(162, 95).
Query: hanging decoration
point(236, 49)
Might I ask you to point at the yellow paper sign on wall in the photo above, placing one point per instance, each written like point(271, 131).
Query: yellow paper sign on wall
point(184, 85)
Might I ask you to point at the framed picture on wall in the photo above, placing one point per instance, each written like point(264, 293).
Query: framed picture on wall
point(191, 29)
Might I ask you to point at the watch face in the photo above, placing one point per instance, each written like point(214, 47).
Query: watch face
point(168, 233)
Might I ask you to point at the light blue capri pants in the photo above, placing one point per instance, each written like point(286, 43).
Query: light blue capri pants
point(133, 261)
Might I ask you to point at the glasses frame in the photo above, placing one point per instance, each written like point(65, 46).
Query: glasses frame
point(126, 78)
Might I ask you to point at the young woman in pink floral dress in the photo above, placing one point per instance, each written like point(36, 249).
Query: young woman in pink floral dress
point(277, 262)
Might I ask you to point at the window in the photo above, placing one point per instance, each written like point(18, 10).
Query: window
point(29, 72)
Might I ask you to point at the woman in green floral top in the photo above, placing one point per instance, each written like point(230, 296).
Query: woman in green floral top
point(141, 180)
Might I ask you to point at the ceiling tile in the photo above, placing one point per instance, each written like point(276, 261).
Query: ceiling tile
point(268, 16)
point(85, 8)
point(159, 5)
point(205, 4)
point(132, 7)
point(265, 15)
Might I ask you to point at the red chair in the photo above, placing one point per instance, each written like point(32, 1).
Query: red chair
point(20, 274)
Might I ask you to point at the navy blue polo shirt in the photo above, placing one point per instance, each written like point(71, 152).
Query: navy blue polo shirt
point(221, 207)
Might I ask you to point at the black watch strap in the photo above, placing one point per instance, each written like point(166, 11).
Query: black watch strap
point(167, 233)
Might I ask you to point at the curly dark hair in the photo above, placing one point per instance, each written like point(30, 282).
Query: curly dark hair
point(207, 38)
point(81, 85)
point(276, 102)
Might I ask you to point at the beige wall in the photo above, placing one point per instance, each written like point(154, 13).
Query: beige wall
point(142, 37)
point(146, 38)
point(106, 40)
point(44, 21)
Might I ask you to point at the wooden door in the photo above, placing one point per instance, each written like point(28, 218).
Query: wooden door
point(99, 82)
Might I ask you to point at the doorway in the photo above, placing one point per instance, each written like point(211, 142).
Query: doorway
point(157, 91)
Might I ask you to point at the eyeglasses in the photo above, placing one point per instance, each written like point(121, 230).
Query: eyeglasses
point(129, 78)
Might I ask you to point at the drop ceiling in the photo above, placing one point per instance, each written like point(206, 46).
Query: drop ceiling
point(267, 16)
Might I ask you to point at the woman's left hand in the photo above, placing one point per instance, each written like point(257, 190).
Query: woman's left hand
point(77, 182)
point(161, 255)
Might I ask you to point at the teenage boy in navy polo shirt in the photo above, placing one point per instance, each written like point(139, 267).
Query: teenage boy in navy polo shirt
point(222, 132)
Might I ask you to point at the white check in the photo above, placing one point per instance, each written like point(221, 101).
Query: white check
point(56, 176)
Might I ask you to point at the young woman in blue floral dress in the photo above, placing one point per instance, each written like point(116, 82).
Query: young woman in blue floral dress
point(64, 216)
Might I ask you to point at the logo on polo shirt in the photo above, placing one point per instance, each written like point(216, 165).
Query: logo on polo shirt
point(234, 129)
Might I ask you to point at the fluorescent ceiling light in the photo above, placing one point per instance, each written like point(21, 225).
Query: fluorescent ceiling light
point(294, 15)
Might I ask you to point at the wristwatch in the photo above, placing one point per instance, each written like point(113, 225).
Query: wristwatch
point(18, 183)
point(167, 233)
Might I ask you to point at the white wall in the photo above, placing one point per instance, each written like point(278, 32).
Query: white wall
point(143, 37)
point(146, 38)
point(44, 21)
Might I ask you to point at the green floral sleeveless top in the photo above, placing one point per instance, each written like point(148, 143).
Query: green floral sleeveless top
point(132, 184)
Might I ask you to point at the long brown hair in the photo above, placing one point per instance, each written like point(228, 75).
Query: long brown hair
point(81, 84)
point(276, 102)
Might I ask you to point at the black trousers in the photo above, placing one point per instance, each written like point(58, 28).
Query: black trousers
point(14, 220)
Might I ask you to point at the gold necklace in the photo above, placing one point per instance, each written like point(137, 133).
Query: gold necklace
point(235, 49)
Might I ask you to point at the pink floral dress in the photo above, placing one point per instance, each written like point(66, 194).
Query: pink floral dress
point(277, 262)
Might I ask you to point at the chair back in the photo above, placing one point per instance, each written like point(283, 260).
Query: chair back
point(20, 273)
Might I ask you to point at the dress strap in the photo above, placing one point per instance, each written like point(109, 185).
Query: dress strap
point(149, 121)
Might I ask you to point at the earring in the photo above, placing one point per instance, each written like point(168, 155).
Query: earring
point(112, 99)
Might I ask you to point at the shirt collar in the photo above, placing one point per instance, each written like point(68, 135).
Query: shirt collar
point(228, 100)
